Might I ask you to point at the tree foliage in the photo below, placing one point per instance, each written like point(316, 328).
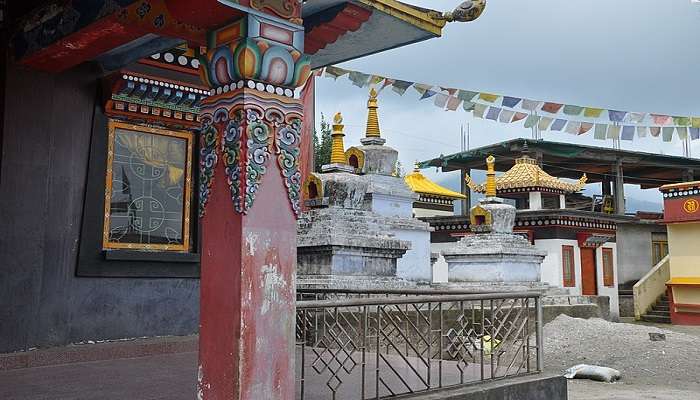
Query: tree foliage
point(322, 144)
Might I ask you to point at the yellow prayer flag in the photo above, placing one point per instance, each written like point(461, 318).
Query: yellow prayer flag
point(591, 112)
point(488, 97)
point(695, 122)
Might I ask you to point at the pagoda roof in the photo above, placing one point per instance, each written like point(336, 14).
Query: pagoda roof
point(422, 185)
point(528, 175)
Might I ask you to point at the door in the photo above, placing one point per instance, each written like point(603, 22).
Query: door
point(589, 283)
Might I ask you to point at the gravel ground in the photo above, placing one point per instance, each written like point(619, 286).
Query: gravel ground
point(661, 370)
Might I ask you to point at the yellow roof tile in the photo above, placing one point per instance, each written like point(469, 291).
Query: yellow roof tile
point(527, 173)
point(420, 184)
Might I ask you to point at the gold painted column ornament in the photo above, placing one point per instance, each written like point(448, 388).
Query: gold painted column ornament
point(337, 146)
point(372, 116)
point(490, 176)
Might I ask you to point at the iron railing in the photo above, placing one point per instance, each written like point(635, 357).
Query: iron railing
point(407, 342)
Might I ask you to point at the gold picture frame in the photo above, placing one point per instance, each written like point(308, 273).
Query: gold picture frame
point(113, 125)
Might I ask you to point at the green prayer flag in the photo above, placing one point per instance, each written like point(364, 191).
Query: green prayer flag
point(531, 121)
point(681, 121)
point(601, 131)
point(572, 110)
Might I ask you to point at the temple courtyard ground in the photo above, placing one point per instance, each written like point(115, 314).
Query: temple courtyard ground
point(663, 370)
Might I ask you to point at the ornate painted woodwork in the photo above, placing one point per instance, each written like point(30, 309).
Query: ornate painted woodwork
point(138, 97)
point(247, 130)
point(327, 26)
point(256, 48)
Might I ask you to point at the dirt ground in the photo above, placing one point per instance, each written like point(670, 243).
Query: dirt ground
point(663, 370)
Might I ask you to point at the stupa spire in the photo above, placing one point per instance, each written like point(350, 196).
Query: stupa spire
point(490, 176)
point(337, 146)
point(372, 116)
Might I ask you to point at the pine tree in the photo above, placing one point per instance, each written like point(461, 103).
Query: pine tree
point(322, 145)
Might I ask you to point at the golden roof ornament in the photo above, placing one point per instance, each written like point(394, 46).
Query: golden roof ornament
point(525, 176)
point(337, 145)
point(467, 11)
point(372, 130)
point(420, 184)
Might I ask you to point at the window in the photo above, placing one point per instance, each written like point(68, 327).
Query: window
point(659, 250)
point(608, 267)
point(569, 267)
point(148, 188)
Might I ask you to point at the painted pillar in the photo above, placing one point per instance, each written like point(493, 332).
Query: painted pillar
point(249, 192)
point(619, 187)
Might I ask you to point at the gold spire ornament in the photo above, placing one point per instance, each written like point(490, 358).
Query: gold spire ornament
point(490, 176)
point(372, 116)
point(337, 146)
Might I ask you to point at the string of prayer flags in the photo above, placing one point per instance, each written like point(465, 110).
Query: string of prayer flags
point(605, 123)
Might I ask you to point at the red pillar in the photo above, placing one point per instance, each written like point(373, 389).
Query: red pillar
point(249, 194)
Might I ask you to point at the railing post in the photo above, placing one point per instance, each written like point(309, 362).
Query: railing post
point(540, 336)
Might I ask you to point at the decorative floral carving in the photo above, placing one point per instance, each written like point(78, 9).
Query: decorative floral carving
point(231, 151)
point(207, 161)
point(257, 155)
point(287, 142)
point(284, 8)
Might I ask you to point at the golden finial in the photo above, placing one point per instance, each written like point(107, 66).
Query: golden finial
point(337, 146)
point(490, 176)
point(372, 116)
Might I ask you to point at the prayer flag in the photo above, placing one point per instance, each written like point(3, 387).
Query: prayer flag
point(558, 124)
point(466, 95)
point(681, 121)
point(655, 131)
point(694, 133)
point(695, 122)
point(530, 105)
point(479, 110)
point(358, 78)
point(572, 110)
point(635, 117)
point(375, 79)
point(667, 133)
point(335, 72)
point(518, 116)
point(642, 131)
point(493, 113)
point(453, 103)
point(488, 97)
point(600, 132)
point(585, 127)
point(682, 132)
point(421, 88)
point(614, 131)
point(400, 87)
point(427, 94)
point(572, 127)
point(468, 105)
point(449, 90)
point(544, 123)
point(531, 121)
point(441, 100)
point(552, 107)
point(506, 116)
point(387, 82)
point(616, 116)
point(660, 119)
point(591, 112)
point(510, 102)
point(628, 132)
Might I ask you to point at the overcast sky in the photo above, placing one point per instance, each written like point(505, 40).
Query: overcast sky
point(632, 55)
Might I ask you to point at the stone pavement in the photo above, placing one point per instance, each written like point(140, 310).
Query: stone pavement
point(160, 377)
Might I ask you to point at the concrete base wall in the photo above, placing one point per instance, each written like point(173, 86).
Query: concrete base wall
point(525, 388)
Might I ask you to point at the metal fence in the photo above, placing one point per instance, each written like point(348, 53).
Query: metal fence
point(381, 344)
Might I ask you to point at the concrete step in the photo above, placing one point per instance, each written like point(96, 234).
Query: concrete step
point(656, 319)
point(659, 313)
point(657, 307)
point(625, 292)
